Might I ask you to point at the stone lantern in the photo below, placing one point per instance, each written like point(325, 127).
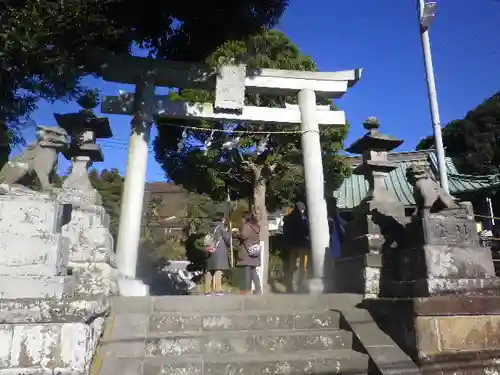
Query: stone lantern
point(366, 241)
point(374, 147)
point(85, 128)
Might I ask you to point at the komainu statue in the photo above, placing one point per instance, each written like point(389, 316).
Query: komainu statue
point(428, 194)
point(40, 158)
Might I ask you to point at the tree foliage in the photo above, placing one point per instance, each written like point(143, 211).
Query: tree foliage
point(109, 183)
point(46, 45)
point(474, 141)
point(213, 171)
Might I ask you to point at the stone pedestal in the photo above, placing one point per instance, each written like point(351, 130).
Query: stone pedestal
point(47, 336)
point(91, 257)
point(448, 335)
point(444, 257)
point(33, 251)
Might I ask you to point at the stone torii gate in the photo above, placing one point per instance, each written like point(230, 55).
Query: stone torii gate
point(230, 84)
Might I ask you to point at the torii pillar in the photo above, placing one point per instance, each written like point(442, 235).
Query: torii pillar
point(129, 230)
point(229, 106)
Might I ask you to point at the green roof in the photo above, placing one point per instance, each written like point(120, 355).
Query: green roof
point(354, 188)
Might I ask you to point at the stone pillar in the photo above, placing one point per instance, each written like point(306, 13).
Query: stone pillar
point(79, 178)
point(133, 190)
point(315, 194)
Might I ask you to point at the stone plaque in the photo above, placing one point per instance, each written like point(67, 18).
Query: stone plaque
point(230, 89)
point(450, 227)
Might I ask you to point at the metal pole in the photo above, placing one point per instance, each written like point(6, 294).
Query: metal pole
point(490, 211)
point(431, 87)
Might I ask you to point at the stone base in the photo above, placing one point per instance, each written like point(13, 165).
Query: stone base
point(360, 274)
point(66, 348)
point(444, 261)
point(132, 288)
point(464, 363)
point(33, 254)
point(91, 256)
point(79, 196)
point(93, 279)
point(14, 287)
point(47, 336)
point(315, 286)
point(30, 212)
point(41, 311)
point(453, 334)
point(461, 286)
point(462, 343)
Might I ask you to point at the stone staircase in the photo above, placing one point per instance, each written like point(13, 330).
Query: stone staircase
point(198, 335)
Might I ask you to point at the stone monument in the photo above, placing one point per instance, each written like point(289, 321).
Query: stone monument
point(444, 255)
point(39, 158)
point(33, 251)
point(444, 305)
point(45, 325)
point(85, 128)
point(91, 256)
point(369, 237)
point(425, 278)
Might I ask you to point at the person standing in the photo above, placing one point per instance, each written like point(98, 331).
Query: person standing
point(249, 253)
point(296, 244)
point(216, 244)
point(336, 225)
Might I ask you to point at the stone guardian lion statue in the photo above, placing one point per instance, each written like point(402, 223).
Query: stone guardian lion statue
point(40, 158)
point(428, 194)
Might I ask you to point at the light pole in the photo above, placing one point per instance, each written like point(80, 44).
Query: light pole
point(426, 15)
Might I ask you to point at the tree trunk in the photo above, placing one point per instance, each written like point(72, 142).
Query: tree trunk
point(5, 148)
point(260, 211)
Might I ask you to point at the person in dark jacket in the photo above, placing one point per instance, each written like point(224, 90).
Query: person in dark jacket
point(217, 262)
point(296, 244)
point(249, 235)
point(336, 225)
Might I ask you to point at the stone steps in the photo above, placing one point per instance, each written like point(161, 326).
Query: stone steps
point(231, 303)
point(241, 321)
point(327, 362)
point(197, 335)
point(233, 342)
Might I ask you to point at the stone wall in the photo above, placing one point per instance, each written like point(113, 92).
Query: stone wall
point(40, 336)
point(56, 272)
point(448, 335)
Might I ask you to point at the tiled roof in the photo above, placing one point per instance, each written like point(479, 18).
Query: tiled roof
point(354, 188)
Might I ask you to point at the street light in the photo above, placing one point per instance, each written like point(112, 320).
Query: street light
point(428, 13)
point(426, 16)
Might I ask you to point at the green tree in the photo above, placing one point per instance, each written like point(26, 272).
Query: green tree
point(259, 160)
point(200, 211)
point(47, 46)
point(474, 141)
point(109, 183)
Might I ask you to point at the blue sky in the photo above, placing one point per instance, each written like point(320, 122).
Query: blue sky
point(382, 37)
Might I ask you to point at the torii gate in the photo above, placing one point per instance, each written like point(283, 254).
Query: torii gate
point(230, 83)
